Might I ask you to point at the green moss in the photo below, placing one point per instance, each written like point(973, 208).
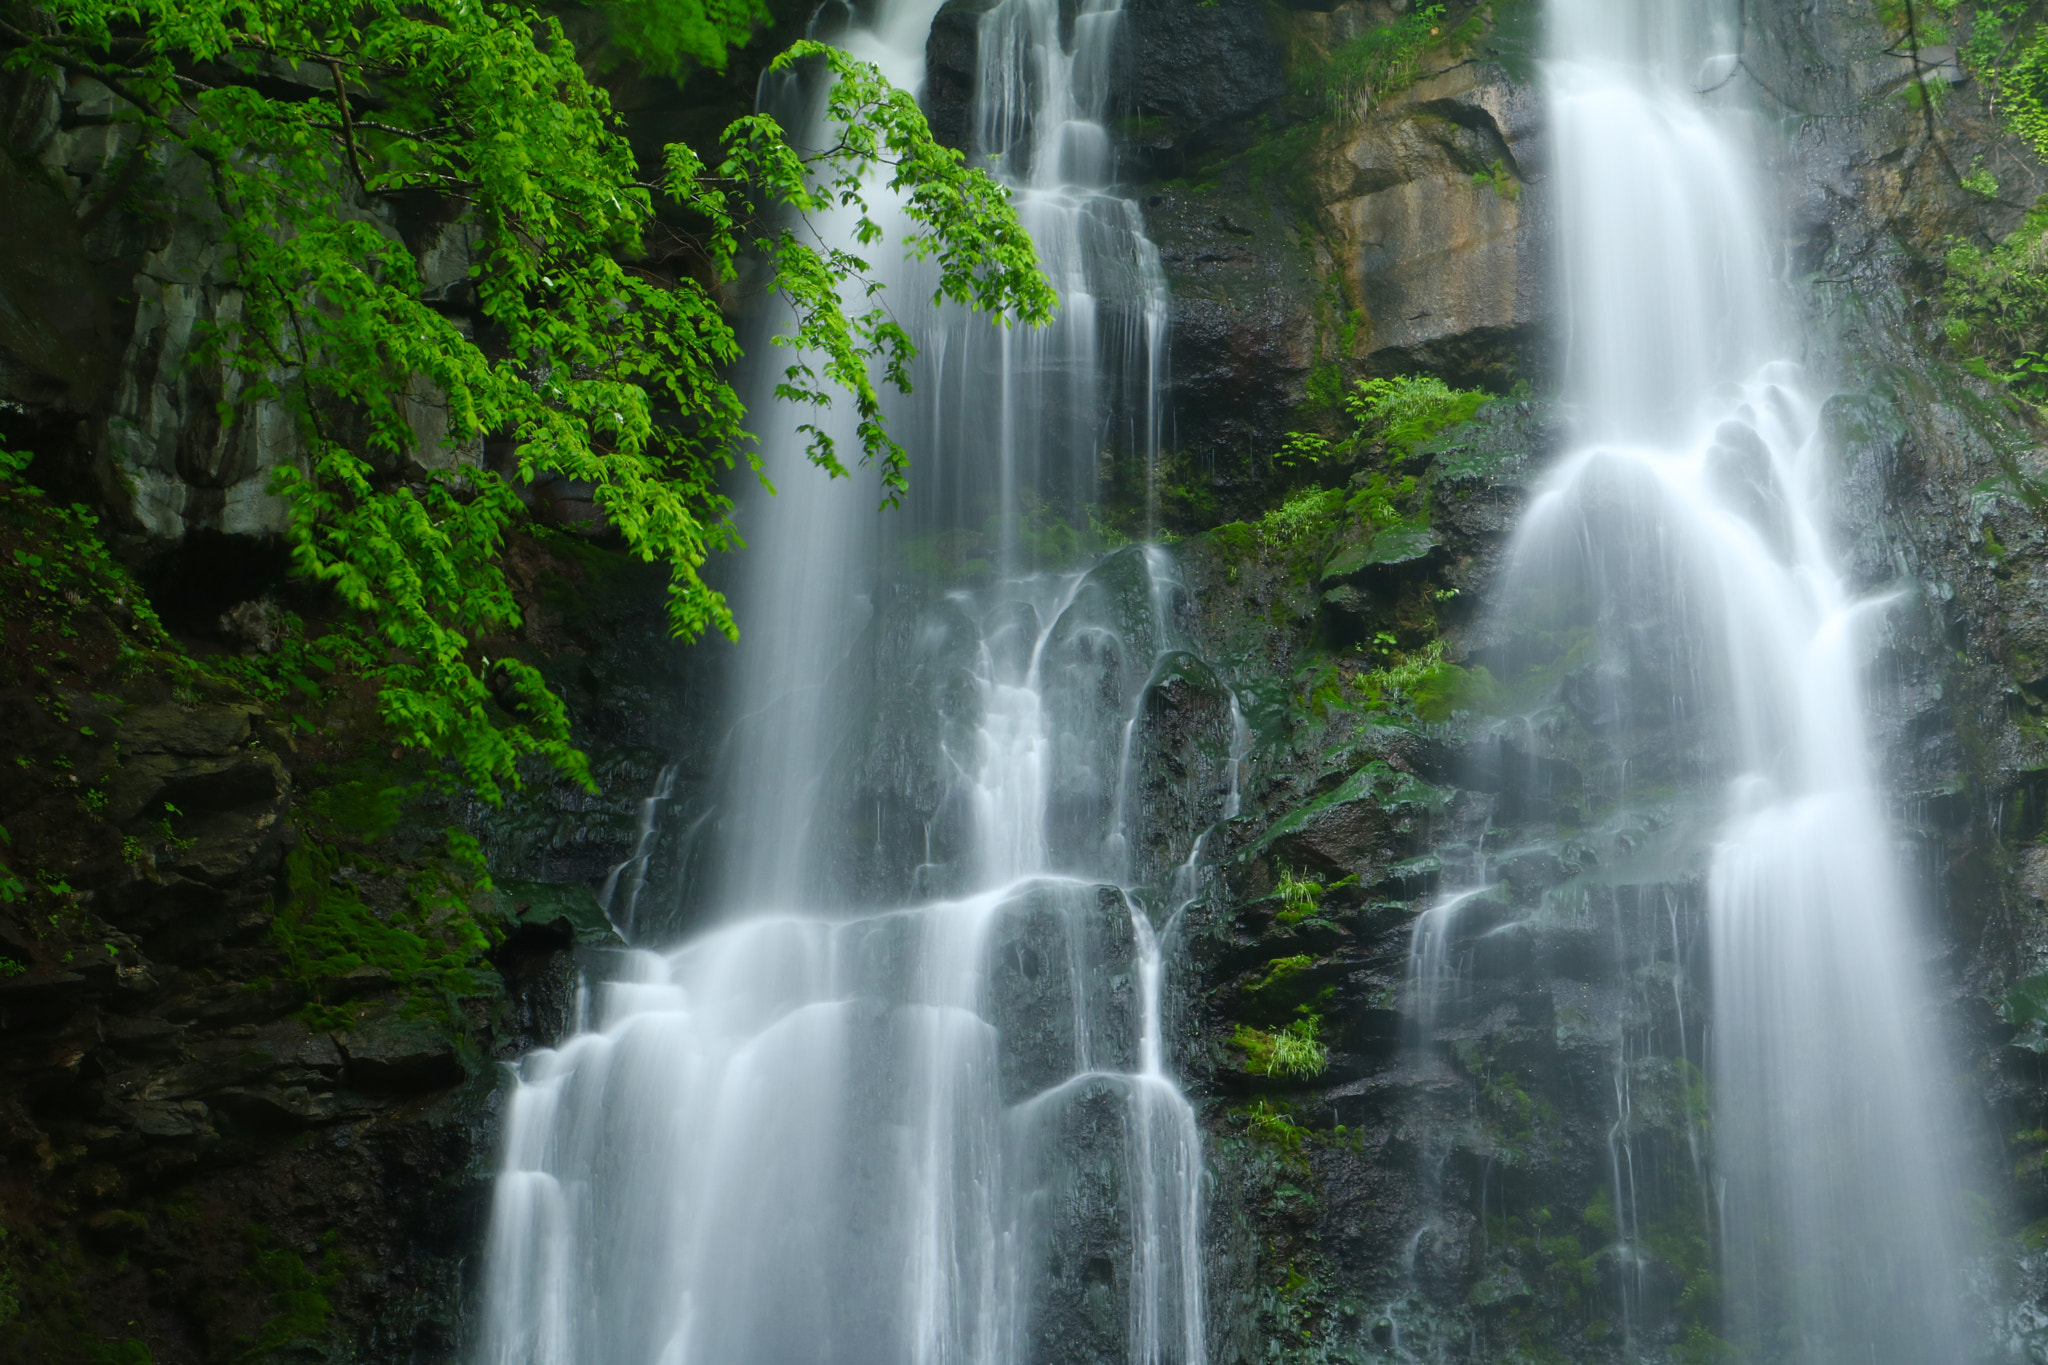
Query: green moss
point(367, 808)
point(1273, 1126)
point(1324, 386)
point(1283, 988)
point(429, 941)
point(1394, 791)
point(10, 1289)
point(298, 1295)
point(1599, 1214)
point(1301, 898)
point(1431, 686)
point(1277, 161)
point(2026, 1002)
point(1501, 179)
point(1512, 1109)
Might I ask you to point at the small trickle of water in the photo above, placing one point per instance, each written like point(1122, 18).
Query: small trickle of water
point(630, 876)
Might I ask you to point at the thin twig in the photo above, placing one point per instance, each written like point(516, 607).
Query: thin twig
point(348, 131)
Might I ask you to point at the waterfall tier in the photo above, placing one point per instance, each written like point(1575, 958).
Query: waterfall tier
point(910, 1102)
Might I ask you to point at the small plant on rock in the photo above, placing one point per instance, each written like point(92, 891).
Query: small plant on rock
point(1293, 1051)
point(1272, 1125)
point(1299, 897)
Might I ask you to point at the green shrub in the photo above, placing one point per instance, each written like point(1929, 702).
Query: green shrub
point(1398, 415)
point(2009, 54)
point(1998, 305)
point(1407, 411)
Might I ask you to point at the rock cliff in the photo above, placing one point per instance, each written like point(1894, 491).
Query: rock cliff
point(227, 1140)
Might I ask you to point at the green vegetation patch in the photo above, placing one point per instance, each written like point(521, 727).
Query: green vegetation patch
point(1295, 1051)
point(1431, 685)
point(1384, 60)
point(1997, 301)
point(297, 1294)
point(428, 942)
point(1395, 416)
point(1301, 898)
point(2007, 49)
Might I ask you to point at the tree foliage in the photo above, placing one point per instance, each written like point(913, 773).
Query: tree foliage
point(669, 35)
point(589, 361)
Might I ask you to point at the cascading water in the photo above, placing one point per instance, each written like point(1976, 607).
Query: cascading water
point(944, 1129)
point(1676, 571)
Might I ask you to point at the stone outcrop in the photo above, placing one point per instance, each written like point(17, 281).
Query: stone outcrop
point(1445, 257)
point(1306, 247)
point(254, 1021)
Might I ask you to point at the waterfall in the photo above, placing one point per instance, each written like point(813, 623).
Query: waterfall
point(909, 1099)
point(1685, 546)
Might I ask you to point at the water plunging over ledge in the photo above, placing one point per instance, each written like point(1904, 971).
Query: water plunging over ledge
point(1682, 551)
point(911, 1100)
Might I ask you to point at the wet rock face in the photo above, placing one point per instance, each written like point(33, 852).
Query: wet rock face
point(1306, 248)
point(1245, 326)
point(235, 1069)
point(1060, 992)
point(897, 806)
point(1184, 764)
point(951, 55)
point(1433, 234)
point(1199, 69)
point(1450, 1179)
point(169, 1096)
point(1081, 1250)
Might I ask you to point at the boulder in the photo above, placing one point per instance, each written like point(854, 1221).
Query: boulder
point(404, 1056)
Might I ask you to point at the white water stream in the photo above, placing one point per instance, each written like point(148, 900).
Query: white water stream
point(1687, 539)
point(945, 1128)
point(942, 1129)
point(1676, 569)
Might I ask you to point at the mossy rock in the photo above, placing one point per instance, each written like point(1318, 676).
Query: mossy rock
point(1393, 546)
point(567, 911)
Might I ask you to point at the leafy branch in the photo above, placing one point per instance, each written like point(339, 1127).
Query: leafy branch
point(588, 361)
